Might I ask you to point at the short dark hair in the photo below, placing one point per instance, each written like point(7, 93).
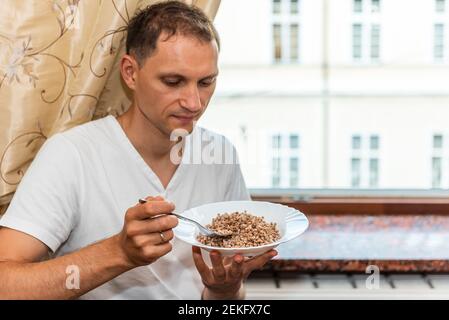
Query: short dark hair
point(170, 17)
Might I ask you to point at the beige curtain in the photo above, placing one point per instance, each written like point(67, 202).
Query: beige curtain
point(59, 68)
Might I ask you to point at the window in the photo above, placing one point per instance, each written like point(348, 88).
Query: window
point(277, 36)
point(356, 142)
point(276, 6)
point(366, 31)
point(357, 41)
point(294, 33)
point(437, 141)
point(276, 142)
point(286, 28)
point(294, 141)
point(374, 142)
point(436, 172)
point(355, 172)
point(375, 6)
point(438, 51)
point(276, 178)
point(365, 161)
point(440, 5)
point(375, 41)
point(285, 155)
point(440, 162)
point(373, 173)
point(358, 6)
point(294, 168)
point(294, 7)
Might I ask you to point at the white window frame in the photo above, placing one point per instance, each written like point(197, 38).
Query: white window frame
point(441, 18)
point(365, 153)
point(442, 153)
point(285, 19)
point(445, 6)
point(285, 154)
point(366, 19)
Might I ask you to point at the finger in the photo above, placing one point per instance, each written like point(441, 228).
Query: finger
point(227, 260)
point(200, 265)
point(236, 270)
point(159, 224)
point(218, 269)
point(157, 198)
point(152, 238)
point(149, 209)
point(147, 199)
point(157, 251)
point(259, 261)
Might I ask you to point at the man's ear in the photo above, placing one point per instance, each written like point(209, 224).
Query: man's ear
point(128, 69)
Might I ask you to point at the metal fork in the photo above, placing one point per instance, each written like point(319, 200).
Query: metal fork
point(206, 231)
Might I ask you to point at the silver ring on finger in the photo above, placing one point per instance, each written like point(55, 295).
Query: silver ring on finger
point(163, 240)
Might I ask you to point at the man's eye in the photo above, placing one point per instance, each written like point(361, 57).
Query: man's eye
point(207, 83)
point(172, 83)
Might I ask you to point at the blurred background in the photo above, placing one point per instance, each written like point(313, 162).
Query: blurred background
point(349, 94)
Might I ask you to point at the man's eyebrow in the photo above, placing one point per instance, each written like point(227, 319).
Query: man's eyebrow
point(171, 75)
point(214, 75)
point(177, 75)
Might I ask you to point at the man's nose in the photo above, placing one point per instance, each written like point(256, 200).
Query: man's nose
point(191, 99)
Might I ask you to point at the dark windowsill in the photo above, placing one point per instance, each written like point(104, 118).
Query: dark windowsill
point(359, 202)
point(349, 231)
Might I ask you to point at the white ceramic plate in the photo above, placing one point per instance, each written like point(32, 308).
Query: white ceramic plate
point(290, 222)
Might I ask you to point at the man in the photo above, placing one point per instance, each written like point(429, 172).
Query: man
point(78, 199)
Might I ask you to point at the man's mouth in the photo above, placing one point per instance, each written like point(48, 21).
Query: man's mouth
point(184, 119)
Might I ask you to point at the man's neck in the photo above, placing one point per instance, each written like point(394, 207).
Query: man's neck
point(149, 141)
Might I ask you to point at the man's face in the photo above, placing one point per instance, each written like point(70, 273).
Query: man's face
point(175, 84)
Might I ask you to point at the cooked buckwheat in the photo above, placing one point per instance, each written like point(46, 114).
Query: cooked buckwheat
point(246, 230)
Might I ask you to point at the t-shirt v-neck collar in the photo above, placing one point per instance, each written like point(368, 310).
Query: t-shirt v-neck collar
point(126, 144)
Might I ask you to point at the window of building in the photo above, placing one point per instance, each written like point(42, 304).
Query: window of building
point(357, 41)
point(277, 141)
point(356, 142)
point(437, 141)
point(436, 172)
point(366, 31)
point(277, 40)
point(294, 6)
point(358, 6)
point(375, 41)
point(440, 162)
point(294, 141)
point(438, 51)
point(276, 176)
point(440, 5)
point(285, 160)
point(375, 6)
point(355, 172)
point(286, 31)
point(374, 142)
point(373, 173)
point(294, 172)
point(276, 6)
point(365, 170)
point(294, 34)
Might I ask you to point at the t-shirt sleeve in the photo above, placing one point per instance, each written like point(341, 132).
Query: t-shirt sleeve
point(237, 187)
point(46, 201)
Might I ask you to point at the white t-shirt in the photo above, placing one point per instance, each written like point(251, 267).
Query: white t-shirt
point(81, 183)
